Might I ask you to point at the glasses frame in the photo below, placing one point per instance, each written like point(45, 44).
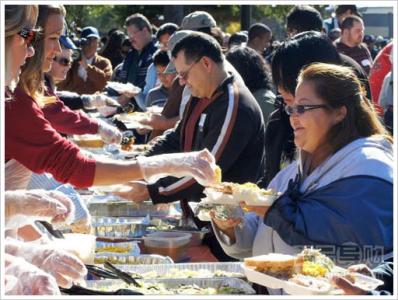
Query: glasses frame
point(184, 75)
point(29, 35)
point(302, 108)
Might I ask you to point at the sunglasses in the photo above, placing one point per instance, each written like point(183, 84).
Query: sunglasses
point(63, 61)
point(29, 35)
point(300, 109)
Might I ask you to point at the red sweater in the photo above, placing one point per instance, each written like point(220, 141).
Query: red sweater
point(67, 121)
point(31, 140)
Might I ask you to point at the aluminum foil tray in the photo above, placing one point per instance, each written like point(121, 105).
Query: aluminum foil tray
point(174, 286)
point(122, 227)
point(193, 270)
point(143, 259)
point(113, 206)
point(130, 248)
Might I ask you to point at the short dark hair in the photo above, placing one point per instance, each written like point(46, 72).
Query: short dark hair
point(303, 49)
point(139, 21)
point(168, 28)
point(237, 38)
point(197, 45)
point(258, 30)
point(348, 22)
point(304, 18)
point(160, 58)
point(341, 9)
point(251, 66)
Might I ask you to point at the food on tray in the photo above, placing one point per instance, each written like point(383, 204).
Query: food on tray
point(230, 193)
point(127, 143)
point(122, 88)
point(115, 249)
point(88, 140)
point(185, 273)
point(149, 288)
point(279, 265)
point(311, 270)
point(218, 173)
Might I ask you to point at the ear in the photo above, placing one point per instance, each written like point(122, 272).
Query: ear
point(207, 63)
point(341, 113)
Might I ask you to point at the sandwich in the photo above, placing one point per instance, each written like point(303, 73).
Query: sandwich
point(275, 264)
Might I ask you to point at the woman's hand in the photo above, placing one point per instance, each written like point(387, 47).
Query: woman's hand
point(227, 226)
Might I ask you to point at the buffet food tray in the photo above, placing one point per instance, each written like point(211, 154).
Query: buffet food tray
point(188, 286)
point(187, 270)
point(120, 227)
point(113, 206)
point(143, 259)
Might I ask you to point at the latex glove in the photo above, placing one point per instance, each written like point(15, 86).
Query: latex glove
point(30, 279)
point(23, 207)
point(109, 134)
point(98, 101)
point(199, 164)
point(135, 191)
point(65, 267)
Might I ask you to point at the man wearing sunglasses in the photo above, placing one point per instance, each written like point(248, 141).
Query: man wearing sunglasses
point(221, 115)
point(90, 73)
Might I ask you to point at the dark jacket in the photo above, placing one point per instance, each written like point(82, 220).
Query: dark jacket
point(231, 127)
point(136, 64)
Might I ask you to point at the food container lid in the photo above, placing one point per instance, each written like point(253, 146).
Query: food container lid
point(166, 239)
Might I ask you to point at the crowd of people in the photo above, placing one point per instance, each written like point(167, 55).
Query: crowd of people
point(310, 117)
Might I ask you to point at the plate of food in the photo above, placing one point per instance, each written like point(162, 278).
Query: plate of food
point(123, 88)
point(308, 273)
point(229, 193)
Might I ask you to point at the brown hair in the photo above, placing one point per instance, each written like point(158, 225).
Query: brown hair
point(17, 17)
point(32, 75)
point(339, 86)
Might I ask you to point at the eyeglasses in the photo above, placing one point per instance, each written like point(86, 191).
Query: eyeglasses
point(300, 109)
point(133, 33)
point(63, 61)
point(29, 35)
point(184, 75)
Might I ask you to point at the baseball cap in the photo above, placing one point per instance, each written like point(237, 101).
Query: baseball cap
point(174, 39)
point(88, 32)
point(67, 42)
point(198, 19)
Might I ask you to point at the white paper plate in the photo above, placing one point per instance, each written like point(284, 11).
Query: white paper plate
point(276, 283)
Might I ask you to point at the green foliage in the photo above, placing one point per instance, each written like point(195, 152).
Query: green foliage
point(105, 17)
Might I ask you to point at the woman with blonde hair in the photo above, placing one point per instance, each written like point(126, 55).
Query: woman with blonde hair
point(25, 269)
point(32, 144)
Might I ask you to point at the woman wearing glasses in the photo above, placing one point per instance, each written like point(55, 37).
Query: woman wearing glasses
point(339, 191)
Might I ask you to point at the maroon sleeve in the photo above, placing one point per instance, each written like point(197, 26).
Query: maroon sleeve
point(31, 140)
point(67, 121)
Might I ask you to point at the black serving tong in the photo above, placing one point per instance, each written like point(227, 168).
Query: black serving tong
point(101, 272)
point(121, 274)
point(79, 290)
point(53, 232)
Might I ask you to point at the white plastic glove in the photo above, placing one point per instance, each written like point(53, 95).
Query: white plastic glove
point(65, 267)
point(98, 101)
point(109, 134)
point(199, 164)
point(30, 279)
point(23, 207)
